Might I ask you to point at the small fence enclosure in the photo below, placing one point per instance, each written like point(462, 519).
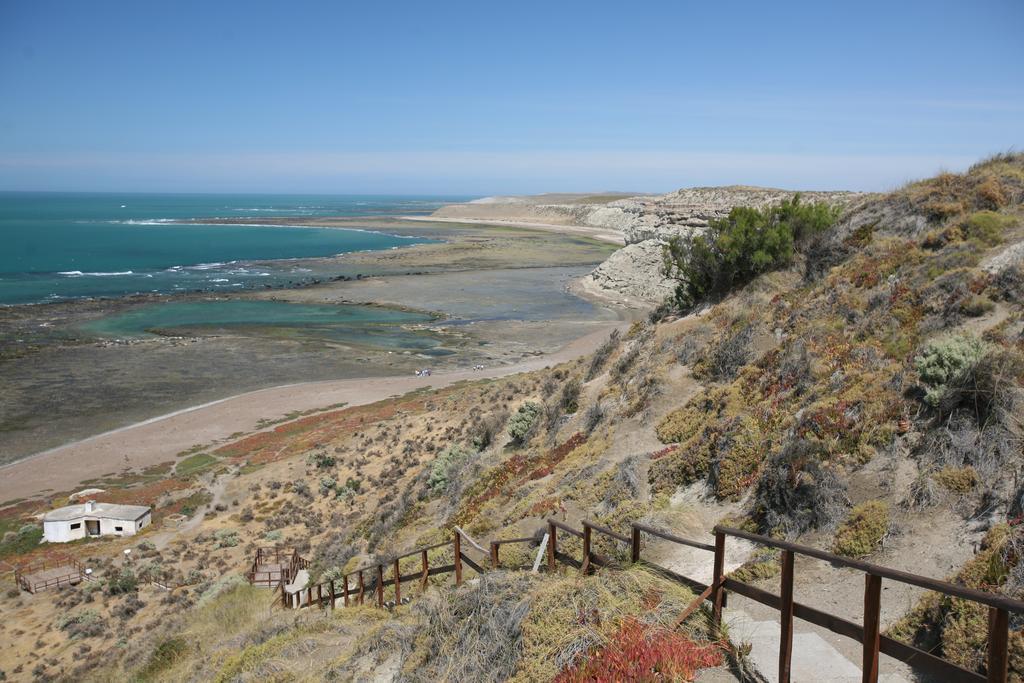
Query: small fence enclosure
point(50, 573)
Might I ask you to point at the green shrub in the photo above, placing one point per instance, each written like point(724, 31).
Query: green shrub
point(602, 354)
point(738, 458)
point(226, 538)
point(444, 467)
point(86, 623)
point(327, 485)
point(521, 424)
point(122, 582)
point(740, 247)
point(569, 399)
point(763, 564)
point(943, 362)
point(957, 479)
point(322, 460)
point(862, 533)
point(987, 227)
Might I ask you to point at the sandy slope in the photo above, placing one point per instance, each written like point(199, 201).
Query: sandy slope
point(160, 439)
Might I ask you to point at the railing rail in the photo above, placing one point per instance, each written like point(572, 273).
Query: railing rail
point(869, 635)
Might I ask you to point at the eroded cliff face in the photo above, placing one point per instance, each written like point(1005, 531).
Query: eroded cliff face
point(633, 274)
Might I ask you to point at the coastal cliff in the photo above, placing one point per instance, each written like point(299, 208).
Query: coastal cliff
point(633, 274)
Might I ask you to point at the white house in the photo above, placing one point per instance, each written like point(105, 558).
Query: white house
point(94, 519)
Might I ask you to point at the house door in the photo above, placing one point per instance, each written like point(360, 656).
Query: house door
point(92, 527)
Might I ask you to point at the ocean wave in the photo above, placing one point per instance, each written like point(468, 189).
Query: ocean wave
point(220, 279)
point(146, 221)
point(206, 266)
point(78, 273)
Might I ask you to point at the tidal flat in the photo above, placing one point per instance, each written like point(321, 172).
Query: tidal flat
point(479, 295)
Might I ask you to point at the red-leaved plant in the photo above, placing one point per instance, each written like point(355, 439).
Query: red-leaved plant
point(645, 653)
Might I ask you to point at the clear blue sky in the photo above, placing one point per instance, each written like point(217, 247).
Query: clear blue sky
point(486, 97)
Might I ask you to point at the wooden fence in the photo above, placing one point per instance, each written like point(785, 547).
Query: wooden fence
point(49, 573)
point(287, 561)
point(353, 588)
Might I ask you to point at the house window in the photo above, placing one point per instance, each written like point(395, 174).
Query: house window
point(76, 525)
point(117, 528)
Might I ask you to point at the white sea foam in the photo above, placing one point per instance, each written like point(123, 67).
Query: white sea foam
point(78, 273)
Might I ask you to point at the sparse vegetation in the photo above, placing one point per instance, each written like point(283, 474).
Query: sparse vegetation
point(863, 531)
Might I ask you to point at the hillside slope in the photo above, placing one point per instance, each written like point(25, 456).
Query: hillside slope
point(866, 400)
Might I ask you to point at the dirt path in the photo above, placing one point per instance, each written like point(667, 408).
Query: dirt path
point(217, 489)
point(160, 439)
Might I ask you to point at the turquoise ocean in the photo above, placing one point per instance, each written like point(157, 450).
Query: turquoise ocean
point(58, 246)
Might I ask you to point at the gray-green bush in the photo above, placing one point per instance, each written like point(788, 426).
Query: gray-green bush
point(521, 424)
point(444, 467)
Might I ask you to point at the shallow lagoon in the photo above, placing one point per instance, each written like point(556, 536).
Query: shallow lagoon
point(354, 324)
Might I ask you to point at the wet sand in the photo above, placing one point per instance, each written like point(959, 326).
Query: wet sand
point(160, 439)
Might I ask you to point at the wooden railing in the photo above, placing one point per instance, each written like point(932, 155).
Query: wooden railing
point(370, 580)
point(23, 576)
point(289, 563)
point(869, 634)
point(354, 587)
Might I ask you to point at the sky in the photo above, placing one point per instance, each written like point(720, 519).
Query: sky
point(512, 97)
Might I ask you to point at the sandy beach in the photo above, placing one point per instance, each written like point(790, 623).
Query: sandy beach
point(160, 439)
point(602, 234)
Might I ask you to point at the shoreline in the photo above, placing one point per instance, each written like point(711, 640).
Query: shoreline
point(160, 439)
point(601, 234)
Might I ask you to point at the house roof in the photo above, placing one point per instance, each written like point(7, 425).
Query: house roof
point(129, 513)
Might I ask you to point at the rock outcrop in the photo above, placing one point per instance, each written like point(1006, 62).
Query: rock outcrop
point(633, 274)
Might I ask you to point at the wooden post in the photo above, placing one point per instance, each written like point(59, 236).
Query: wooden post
point(344, 586)
point(872, 609)
point(458, 559)
point(585, 563)
point(380, 585)
point(362, 587)
point(634, 548)
point(552, 546)
point(494, 554)
point(718, 593)
point(319, 594)
point(786, 612)
point(398, 586)
point(426, 570)
point(998, 640)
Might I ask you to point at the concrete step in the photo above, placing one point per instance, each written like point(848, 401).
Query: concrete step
point(814, 659)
